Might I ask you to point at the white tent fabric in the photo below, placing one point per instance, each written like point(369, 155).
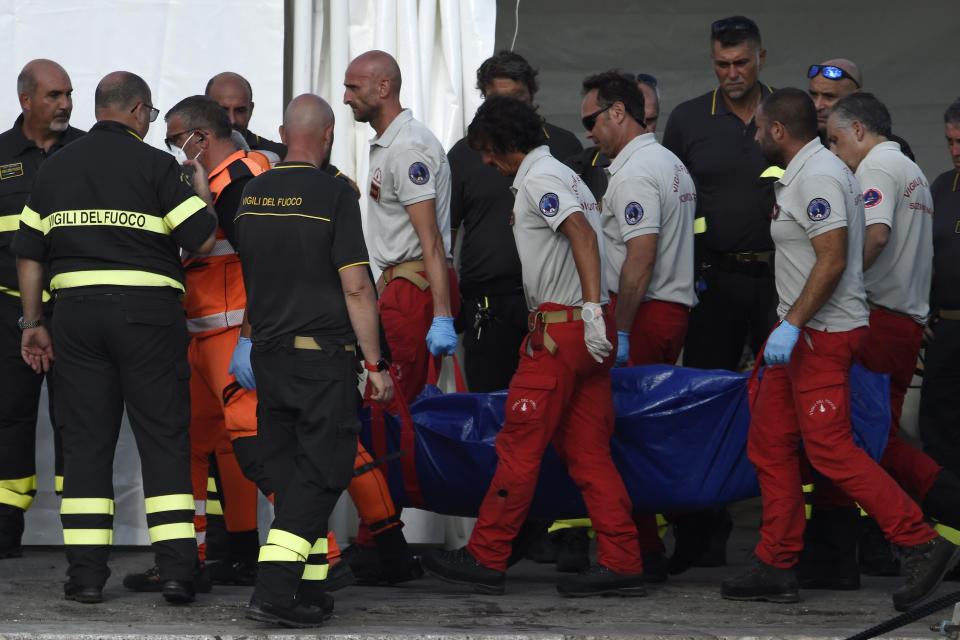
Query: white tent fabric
point(438, 44)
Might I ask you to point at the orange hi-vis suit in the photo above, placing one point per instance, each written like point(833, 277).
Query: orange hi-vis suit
point(221, 410)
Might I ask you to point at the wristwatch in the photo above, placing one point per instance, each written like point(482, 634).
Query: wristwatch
point(588, 314)
point(382, 365)
point(23, 324)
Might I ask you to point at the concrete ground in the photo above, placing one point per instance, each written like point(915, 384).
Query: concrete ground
point(688, 606)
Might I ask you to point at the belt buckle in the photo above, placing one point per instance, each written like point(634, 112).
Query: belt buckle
point(745, 257)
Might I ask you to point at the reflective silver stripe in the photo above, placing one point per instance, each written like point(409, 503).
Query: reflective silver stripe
point(222, 248)
point(222, 320)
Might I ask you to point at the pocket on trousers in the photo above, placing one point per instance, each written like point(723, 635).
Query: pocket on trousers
point(343, 453)
point(527, 396)
point(154, 316)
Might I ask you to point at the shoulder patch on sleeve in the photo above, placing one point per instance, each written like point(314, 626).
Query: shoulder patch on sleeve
point(418, 173)
point(549, 204)
point(633, 213)
point(818, 210)
point(872, 197)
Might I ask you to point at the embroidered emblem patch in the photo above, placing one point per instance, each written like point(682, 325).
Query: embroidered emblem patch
point(818, 210)
point(872, 197)
point(12, 170)
point(633, 213)
point(418, 173)
point(549, 204)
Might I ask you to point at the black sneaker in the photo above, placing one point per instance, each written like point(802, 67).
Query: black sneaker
point(459, 567)
point(924, 566)
point(299, 616)
point(178, 591)
point(600, 580)
point(80, 593)
point(149, 581)
point(655, 567)
point(574, 550)
point(763, 582)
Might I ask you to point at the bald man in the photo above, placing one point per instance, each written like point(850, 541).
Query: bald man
point(41, 130)
point(830, 81)
point(234, 93)
point(303, 355)
point(409, 220)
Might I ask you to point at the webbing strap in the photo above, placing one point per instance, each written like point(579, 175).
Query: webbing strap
point(409, 271)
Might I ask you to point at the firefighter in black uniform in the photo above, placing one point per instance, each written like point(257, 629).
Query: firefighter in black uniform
point(493, 314)
point(105, 216)
point(309, 301)
point(45, 96)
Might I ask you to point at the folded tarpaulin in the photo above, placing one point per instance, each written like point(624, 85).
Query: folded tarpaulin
point(679, 443)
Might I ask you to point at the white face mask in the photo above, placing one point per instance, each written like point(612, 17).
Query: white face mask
point(181, 155)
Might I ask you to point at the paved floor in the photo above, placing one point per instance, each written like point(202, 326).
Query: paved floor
point(688, 606)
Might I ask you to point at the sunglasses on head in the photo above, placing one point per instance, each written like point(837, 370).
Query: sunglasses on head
point(733, 24)
point(830, 72)
point(590, 121)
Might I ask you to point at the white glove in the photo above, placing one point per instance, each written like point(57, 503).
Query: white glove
point(595, 331)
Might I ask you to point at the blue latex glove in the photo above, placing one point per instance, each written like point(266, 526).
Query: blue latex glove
point(780, 343)
point(240, 364)
point(442, 339)
point(623, 348)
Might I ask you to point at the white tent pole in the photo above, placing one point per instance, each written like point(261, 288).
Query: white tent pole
point(302, 77)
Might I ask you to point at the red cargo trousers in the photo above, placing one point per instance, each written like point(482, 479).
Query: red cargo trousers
point(809, 400)
point(891, 347)
point(564, 398)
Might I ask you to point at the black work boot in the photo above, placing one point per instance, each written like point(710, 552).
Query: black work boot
point(534, 543)
point(875, 554)
point(942, 502)
point(829, 556)
point(11, 531)
point(763, 582)
point(397, 562)
point(339, 575)
point(298, 616)
point(599, 580)
point(80, 593)
point(701, 539)
point(924, 566)
point(655, 567)
point(149, 581)
point(574, 549)
point(459, 567)
point(178, 591)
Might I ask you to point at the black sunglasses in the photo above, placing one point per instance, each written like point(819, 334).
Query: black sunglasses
point(733, 24)
point(171, 140)
point(590, 121)
point(830, 72)
point(154, 112)
point(647, 79)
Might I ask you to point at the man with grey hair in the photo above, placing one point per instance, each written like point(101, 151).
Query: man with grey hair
point(42, 129)
point(897, 261)
point(939, 413)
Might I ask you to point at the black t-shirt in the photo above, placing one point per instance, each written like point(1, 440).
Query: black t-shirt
point(725, 161)
point(296, 228)
point(589, 165)
point(480, 206)
point(109, 210)
point(20, 160)
point(945, 290)
point(256, 143)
